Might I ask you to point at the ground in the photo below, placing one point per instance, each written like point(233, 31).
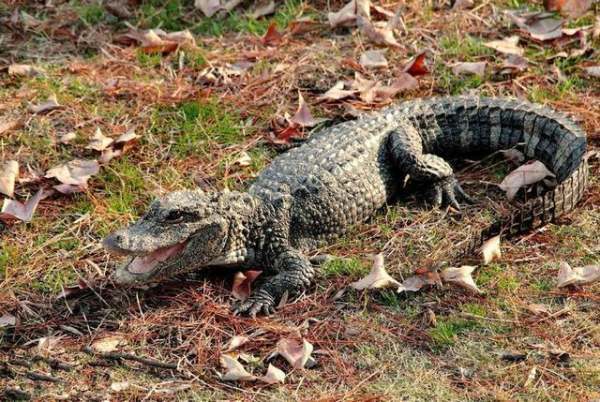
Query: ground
point(436, 344)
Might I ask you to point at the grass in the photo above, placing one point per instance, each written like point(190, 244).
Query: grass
point(440, 343)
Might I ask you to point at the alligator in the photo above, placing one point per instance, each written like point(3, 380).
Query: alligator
point(340, 177)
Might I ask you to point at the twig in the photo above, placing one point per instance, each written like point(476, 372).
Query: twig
point(32, 375)
point(128, 356)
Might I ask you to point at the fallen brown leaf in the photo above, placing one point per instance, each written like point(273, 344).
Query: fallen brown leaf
point(76, 172)
point(99, 141)
point(234, 371)
point(235, 342)
point(539, 25)
point(7, 125)
point(379, 34)
point(12, 209)
point(569, 8)
point(8, 320)
point(373, 59)
point(337, 92)
point(295, 352)
point(477, 68)
point(263, 10)
point(242, 283)
point(490, 250)
point(515, 62)
point(9, 171)
point(24, 70)
point(108, 344)
point(507, 46)
point(208, 7)
point(592, 71)
point(272, 36)
point(50, 104)
point(462, 277)
point(67, 137)
point(303, 117)
point(273, 375)
point(417, 65)
point(577, 276)
point(347, 15)
point(524, 176)
point(377, 278)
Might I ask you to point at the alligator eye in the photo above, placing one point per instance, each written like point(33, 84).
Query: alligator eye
point(174, 217)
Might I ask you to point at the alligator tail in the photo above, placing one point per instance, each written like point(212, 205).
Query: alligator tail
point(458, 126)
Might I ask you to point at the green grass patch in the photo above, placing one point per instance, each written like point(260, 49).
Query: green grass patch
point(125, 187)
point(447, 330)
point(148, 60)
point(193, 126)
point(344, 267)
point(465, 48)
point(91, 14)
point(167, 15)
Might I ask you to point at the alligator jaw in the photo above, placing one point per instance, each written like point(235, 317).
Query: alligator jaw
point(141, 267)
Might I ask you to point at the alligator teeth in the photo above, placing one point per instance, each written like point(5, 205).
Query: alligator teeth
point(145, 264)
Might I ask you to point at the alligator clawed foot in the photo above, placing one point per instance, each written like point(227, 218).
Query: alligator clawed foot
point(449, 192)
point(254, 305)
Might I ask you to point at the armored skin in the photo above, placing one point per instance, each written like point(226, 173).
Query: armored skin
point(340, 177)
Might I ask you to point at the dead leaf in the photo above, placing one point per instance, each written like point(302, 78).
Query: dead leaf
point(417, 65)
point(208, 7)
point(337, 92)
point(377, 278)
point(569, 8)
point(119, 386)
point(243, 160)
point(303, 117)
point(477, 68)
point(272, 36)
point(371, 91)
point(8, 320)
point(12, 209)
point(242, 283)
point(462, 4)
point(47, 343)
point(108, 344)
point(235, 343)
point(76, 172)
point(411, 284)
point(524, 176)
point(515, 62)
point(9, 171)
point(490, 250)
point(99, 141)
point(109, 154)
point(577, 276)
point(538, 309)
point(24, 70)
point(7, 125)
point(539, 25)
point(68, 188)
point(347, 15)
point(462, 277)
point(273, 375)
point(373, 59)
point(378, 34)
point(50, 104)
point(596, 29)
point(592, 71)
point(507, 46)
point(297, 354)
point(264, 9)
point(513, 155)
point(234, 371)
point(67, 137)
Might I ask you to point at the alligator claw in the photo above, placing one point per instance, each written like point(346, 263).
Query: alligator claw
point(254, 305)
point(448, 192)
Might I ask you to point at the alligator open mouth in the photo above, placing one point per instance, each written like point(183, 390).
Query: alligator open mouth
point(147, 263)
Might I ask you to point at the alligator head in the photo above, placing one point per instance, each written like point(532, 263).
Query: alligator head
point(180, 232)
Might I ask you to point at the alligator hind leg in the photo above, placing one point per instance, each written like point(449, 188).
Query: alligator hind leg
point(406, 147)
point(294, 275)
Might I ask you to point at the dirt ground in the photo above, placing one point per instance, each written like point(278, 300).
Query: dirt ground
point(211, 111)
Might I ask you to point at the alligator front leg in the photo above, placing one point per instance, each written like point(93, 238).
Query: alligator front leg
point(406, 147)
point(294, 275)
